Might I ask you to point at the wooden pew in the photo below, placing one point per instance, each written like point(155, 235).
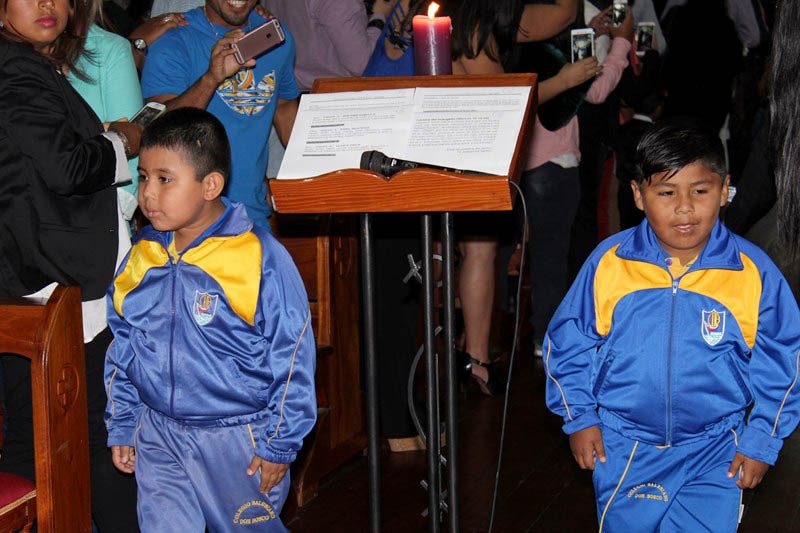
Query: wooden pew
point(325, 250)
point(51, 336)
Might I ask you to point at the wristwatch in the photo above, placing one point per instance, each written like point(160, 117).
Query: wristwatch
point(376, 23)
point(140, 44)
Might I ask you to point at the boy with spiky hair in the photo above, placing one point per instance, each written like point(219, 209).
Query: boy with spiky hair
point(210, 378)
point(672, 330)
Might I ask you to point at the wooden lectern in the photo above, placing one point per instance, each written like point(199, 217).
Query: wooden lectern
point(424, 191)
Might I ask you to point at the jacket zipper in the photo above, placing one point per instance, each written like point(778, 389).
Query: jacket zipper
point(171, 339)
point(669, 362)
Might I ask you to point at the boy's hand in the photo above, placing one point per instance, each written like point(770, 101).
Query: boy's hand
point(751, 473)
point(124, 458)
point(271, 473)
point(585, 444)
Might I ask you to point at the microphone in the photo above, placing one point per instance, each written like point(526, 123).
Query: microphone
point(389, 166)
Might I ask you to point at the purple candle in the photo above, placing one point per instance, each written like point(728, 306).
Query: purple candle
point(432, 43)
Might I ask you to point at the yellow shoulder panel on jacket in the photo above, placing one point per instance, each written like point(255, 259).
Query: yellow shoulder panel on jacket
point(144, 256)
point(737, 290)
point(234, 263)
point(615, 278)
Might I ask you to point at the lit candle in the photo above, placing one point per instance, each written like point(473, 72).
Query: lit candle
point(432, 54)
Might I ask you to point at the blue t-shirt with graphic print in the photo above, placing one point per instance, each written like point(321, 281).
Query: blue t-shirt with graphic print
point(244, 103)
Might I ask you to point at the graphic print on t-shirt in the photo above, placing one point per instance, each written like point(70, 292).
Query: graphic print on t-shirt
point(244, 95)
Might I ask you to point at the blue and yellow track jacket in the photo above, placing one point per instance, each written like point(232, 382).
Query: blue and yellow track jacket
point(668, 361)
point(217, 335)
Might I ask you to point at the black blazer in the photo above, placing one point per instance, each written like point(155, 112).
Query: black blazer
point(58, 206)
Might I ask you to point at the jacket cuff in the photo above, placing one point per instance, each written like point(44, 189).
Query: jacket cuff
point(120, 436)
point(757, 445)
point(274, 455)
point(586, 420)
point(122, 173)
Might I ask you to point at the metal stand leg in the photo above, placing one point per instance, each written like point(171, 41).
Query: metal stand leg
point(451, 373)
point(432, 389)
point(371, 373)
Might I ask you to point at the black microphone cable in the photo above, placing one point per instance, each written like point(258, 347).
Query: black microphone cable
point(511, 358)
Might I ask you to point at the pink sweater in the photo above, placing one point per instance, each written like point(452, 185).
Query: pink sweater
point(546, 144)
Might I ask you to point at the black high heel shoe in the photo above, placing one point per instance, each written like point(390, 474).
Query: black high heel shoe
point(494, 385)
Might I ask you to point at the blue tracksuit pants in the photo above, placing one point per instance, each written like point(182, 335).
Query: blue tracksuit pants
point(646, 488)
point(190, 478)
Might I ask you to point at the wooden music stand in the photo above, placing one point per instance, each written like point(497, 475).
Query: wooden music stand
point(420, 190)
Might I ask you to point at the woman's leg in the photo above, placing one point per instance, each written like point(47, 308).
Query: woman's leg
point(476, 284)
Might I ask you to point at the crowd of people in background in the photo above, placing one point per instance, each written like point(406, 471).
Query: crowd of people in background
point(708, 59)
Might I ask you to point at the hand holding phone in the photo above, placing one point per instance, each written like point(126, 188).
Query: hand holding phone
point(574, 74)
point(626, 29)
point(131, 134)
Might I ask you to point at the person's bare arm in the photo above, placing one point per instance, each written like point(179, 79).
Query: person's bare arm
point(481, 63)
point(571, 75)
point(285, 113)
point(198, 95)
point(151, 30)
point(222, 66)
point(543, 21)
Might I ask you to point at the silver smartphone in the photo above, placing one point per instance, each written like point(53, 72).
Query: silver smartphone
point(148, 114)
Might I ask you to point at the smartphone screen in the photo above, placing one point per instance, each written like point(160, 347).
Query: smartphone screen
point(618, 13)
point(146, 115)
point(644, 36)
point(582, 44)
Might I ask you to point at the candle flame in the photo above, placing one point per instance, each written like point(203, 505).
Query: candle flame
point(432, 9)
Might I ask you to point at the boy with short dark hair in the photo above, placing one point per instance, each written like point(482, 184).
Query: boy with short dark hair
point(671, 331)
point(211, 375)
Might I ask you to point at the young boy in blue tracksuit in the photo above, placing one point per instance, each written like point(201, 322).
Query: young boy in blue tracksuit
point(210, 378)
point(670, 332)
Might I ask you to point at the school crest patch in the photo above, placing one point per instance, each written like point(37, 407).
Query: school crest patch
point(713, 326)
point(205, 307)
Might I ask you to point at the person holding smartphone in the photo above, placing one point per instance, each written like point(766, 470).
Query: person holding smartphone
point(485, 33)
point(110, 85)
point(195, 66)
point(552, 184)
point(59, 217)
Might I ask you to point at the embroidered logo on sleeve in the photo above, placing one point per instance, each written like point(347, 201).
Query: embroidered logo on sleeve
point(246, 95)
point(205, 307)
point(713, 326)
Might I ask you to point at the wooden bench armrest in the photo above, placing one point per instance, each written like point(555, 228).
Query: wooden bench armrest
point(51, 335)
